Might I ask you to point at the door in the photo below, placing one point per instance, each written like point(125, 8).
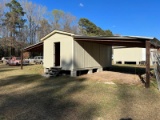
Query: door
point(57, 53)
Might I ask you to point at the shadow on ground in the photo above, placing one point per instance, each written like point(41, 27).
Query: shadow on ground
point(34, 97)
point(128, 69)
point(136, 101)
point(5, 68)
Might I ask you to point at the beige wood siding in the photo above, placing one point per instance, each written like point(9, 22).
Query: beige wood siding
point(105, 55)
point(87, 54)
point(130, 55)
point(127, 54)
point(65, 51)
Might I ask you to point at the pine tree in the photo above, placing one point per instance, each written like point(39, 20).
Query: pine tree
point(14, 22)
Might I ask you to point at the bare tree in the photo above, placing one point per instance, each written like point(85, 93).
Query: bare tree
point(68, 22)
point(75, 29)
point(2, 8)
point(44, 28)
point(64, 21)
point(34, 13)
point(57, 15)
point(3, 31)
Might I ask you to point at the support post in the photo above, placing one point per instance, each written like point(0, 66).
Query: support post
point(22, 60)
point(90, 71)
point(46, 70)
point(73, 73)
point(99, 69)
point(147, 85)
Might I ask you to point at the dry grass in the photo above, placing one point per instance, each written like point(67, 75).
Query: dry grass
point(116, 77)
point(26, 95)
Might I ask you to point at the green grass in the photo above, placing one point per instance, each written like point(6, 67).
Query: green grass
point(26, 95)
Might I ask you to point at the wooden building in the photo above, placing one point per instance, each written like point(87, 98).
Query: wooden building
point(61, 49)
point(74, 52)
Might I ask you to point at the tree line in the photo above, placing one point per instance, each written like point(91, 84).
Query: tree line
point(24, 23)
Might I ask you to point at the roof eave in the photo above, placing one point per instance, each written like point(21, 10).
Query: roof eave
point(56, 31)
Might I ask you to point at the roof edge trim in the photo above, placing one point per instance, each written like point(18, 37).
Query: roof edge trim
point(56, 31)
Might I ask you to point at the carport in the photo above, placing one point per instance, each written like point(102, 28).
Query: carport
point(127, 41)
point(34, 48)
point(38, 47)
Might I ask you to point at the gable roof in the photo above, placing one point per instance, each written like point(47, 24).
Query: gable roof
point(129, 41)
point(54, 32)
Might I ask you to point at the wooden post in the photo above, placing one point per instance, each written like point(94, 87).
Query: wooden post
point(22, 60)
point(147, 85)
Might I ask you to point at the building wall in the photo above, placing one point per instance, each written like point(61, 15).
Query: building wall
point(87, 54)
point(129, 55)
point(66, 52)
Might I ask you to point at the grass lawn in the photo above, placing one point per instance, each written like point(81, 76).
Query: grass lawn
point(26, 95)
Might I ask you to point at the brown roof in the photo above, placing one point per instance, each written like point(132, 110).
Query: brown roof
point(34, 48)
point(128, 41)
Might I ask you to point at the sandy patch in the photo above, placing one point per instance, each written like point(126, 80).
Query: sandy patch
point(108, 76)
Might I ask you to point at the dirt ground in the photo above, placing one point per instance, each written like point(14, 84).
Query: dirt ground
point(116, 77)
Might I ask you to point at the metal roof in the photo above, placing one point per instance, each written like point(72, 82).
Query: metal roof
point(115, 37)
point(130, 41)
point(38, 47)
